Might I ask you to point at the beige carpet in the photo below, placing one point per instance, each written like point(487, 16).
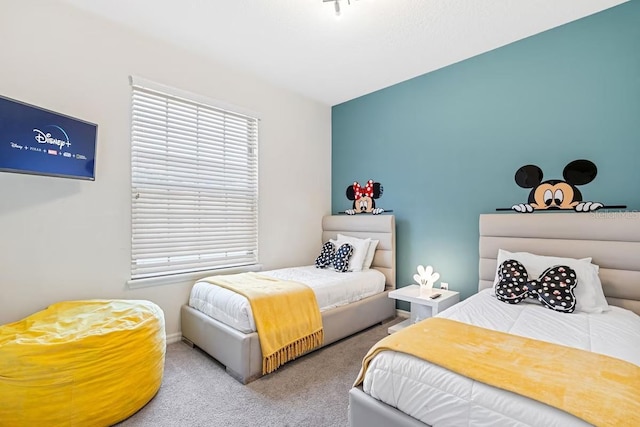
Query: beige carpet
point(310, 391)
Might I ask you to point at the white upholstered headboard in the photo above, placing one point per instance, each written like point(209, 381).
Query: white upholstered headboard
point(379, 227)
point(612, 239)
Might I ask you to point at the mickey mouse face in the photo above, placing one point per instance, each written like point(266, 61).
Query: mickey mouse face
point(554, 195)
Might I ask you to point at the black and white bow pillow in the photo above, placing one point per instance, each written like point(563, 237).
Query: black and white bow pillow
point(337, 258)
point(554, 288)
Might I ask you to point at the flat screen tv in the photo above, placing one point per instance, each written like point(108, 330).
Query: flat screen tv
point(41, 142)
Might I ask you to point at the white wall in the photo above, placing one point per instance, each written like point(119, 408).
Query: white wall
point(64, 239)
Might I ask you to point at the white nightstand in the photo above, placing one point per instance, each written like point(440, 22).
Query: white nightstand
point(422, 306)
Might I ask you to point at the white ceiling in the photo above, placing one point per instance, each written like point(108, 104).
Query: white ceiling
point(302, 46)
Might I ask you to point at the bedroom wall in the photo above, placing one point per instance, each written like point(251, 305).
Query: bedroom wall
point(446, 145)
point(67, 239)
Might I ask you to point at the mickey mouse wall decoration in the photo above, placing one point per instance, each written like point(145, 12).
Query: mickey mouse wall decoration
point(364, 198)
point(557, 194)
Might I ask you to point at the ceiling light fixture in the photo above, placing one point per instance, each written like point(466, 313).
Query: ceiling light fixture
point(336, 5)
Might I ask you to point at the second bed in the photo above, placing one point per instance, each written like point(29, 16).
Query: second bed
point(220, 322)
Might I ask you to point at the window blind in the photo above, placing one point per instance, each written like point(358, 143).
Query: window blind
point(194, 181)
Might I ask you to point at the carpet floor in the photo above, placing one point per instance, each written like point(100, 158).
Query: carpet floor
point(310, 391)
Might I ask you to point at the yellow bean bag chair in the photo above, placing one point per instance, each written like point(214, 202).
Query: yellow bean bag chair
point(81, 363)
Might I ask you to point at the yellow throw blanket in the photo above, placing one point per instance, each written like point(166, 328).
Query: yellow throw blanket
point(286, 314)
point(601, 390)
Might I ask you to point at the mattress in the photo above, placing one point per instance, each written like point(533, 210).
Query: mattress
point(439, 397)
point(332, 289)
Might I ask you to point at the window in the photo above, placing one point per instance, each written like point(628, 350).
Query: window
point(194, 183)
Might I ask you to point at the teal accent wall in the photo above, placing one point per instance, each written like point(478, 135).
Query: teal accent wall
point(446, 145)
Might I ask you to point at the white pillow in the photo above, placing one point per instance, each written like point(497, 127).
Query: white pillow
point(368, 260)
point(589, 295)
point(360, 248)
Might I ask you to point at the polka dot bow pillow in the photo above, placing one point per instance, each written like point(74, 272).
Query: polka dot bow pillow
point(554, 288)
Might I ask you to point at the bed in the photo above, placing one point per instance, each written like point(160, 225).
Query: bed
point(401, 390)
point(236, 345)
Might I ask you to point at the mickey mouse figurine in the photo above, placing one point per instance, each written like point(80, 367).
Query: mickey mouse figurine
point(364, 198)
point(556, 193)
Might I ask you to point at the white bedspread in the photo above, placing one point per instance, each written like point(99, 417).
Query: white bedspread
point(439, 397)
point(332, 289)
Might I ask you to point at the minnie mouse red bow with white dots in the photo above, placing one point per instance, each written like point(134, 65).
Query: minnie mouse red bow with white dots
point(367, 191)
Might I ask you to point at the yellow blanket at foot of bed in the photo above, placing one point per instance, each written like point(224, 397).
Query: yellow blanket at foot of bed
point(81, 363)
point(288, 320)
point(599, 389)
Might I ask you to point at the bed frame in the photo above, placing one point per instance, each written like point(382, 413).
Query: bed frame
point(612, 239)
point(241, 353)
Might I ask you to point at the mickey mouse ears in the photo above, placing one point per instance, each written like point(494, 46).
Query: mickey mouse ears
point(578, 172)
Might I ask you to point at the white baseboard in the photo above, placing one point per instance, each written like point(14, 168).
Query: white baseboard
point(171, 338)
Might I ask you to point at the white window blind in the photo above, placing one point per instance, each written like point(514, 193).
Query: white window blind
point(194, 181)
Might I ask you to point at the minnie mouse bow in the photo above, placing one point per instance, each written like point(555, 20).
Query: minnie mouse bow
point(359, 192)
point(554, 287)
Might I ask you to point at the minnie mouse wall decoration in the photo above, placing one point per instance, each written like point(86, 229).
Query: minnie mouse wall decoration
point(364, 198)
point(557, 194)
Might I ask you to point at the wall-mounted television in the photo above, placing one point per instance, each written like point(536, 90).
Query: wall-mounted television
point(40, 142)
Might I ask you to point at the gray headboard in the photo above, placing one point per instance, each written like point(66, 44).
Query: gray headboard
point(612, 239)
point(379, 227)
